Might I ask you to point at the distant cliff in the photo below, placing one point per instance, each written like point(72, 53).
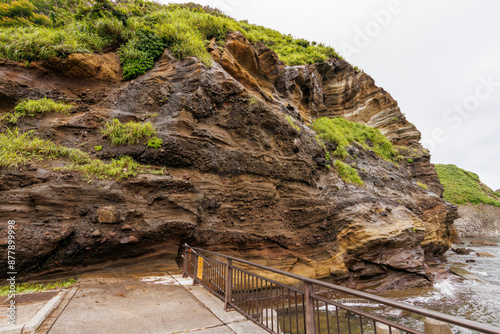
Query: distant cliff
point(479, 206)
point(221, 156)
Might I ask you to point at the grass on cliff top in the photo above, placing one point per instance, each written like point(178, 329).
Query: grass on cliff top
point(343, 133)
point(127, 133)
point(37, 287)
point(33, 107)
point(140, 30)
point(347, 173)
point(463, 187)
point(18, 148)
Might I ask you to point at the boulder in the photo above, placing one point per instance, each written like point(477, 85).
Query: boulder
point(462, 250)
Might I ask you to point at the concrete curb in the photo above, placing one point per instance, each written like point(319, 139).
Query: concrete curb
point(37, 319)
point(17, 329)
point(41, 315)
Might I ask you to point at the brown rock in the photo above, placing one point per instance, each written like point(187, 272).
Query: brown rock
point(484, 254)
point(483, 243)
point(105, 67)
point(96, 233)
point(227, 130)
point(129, 239)
point(124, 240)
point(133, 239)
point(126, 227)
point(107, 215)
point(462, 250)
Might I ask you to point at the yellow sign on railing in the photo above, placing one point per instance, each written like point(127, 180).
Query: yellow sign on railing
point(199, 273)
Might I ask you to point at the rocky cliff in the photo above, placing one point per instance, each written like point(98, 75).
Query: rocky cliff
point(478, 221)
point(478, 205)
point(239, 178)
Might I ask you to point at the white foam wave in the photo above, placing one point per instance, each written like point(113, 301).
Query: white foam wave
point(445, 288)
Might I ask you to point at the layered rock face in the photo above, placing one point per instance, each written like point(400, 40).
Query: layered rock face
point(240, 179)
point(478, 221)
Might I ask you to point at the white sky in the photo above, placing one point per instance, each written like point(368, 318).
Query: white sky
point(439, 59)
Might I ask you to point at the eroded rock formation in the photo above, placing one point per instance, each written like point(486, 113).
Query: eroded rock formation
point(478, 221)
point(240, 179)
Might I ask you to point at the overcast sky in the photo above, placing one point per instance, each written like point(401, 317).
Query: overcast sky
point(439, 59)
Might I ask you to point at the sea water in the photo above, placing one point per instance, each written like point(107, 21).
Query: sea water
point(477, 297)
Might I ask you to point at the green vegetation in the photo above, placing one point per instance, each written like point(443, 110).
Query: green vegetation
point(37, 287)
point(155, 142)
point(127, 133)
point(410, 160)
point(33, 107)
point(18, 148)
point(139, 29)
point(252, 101)
point(423, 185)
point(18, 13)
point(121, 168)
point(98, 148)
point(347, 173)
point(290, 50)
point(463, 187)
point(343, 133)
point(293, 123)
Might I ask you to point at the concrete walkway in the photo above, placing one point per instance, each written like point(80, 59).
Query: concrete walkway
point(158, 304)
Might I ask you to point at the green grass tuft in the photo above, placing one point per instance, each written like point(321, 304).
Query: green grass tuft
point(423, 185)
point(121, 168)
point(347, 173)
point(293, 123)
point(463, 187)
point(37, 287)
point(33, 107)
point(155, 142)
point(127, 133)
point(343, 133)
point(18, 148)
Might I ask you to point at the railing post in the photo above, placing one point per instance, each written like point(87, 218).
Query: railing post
point(185, 263)
point(195, 274)
point(229, 285)
point(310, 323)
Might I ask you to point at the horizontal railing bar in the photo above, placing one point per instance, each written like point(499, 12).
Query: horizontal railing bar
point(366, 315)
point(270, 280)
point(407, 307)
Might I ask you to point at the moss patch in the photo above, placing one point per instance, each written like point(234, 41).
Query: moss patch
point(37, 287)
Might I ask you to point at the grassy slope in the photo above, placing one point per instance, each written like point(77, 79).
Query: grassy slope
point(140, 30)
point(343, 133)
point(463, 187)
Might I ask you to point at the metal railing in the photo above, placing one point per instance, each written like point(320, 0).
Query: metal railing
point(311, 306)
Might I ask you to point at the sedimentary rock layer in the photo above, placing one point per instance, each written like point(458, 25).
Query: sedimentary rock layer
point(240, 178)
